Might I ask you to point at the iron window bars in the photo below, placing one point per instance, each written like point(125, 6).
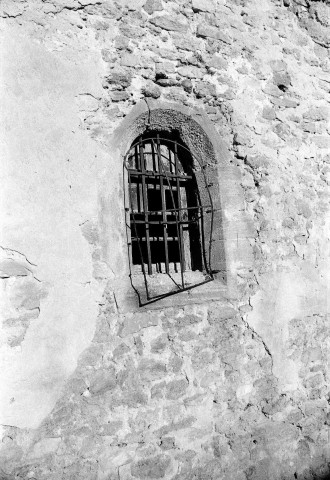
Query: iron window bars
point(165, 220)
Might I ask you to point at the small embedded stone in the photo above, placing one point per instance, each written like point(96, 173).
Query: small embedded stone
point(119, 79)
point(321, 141)
point(206, 31)
point(150, 370)
point(289, 222)
point(111, 428)
point(119, 96)
point(317, 114)
point(151, 90)
point(268, 113)
point(152, 6)
point(130, 60)
point(190, 72)
point(159, 345)
point(121, 42)
point(187, 85)
point(170, 23)
point(10, 268)
point(108, 56)
point(102, 381)
point(303, 208)
point(167, 82)
point(167, 443)
point(164, 68)
point(151, 467)
point(217, 62)
point(176, 389)
point(282, 130)
point(137, 322)
point(132, 31)
point(314, 381)
point(272, 90)
point(282, 80)
point(203, 6)
point(204, 89)
point(120, 351)
point(309, 127)
point(278, 66)
point(44, 447)
point(185, 43)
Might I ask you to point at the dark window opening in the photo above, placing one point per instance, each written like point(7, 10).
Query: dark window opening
point(166, 216)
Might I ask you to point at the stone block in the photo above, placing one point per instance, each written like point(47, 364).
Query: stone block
point(220, 313)
point(321, 141)
point(152, 6)
point(317, 114)
point(205, 89)
point(182, 424)
point(203, 6)
point(119, 96)
point(190, 72)
point(303, 208)
point(159, 344)
point(217, 62)
point(111, 428)
point(167, 82)
point(282, 80)
point(207, 31)
point(186, 43)
point(10, 268)
point(150, 370)
point(133, 324)
point(119, 78)
point(170, 23)
point(103, 381)
point(151, 90)
point(152, 467)
point(314, 380)
point(167, 443)
point(272, 90)
point(44, 447)
point(26, 293)
point(176, 389)
point(268, 113)
point(130, 60)
point(187, 85)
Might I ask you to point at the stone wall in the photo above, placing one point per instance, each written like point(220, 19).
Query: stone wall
point(229, 382)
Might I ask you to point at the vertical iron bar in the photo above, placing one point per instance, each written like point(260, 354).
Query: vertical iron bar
point(145, 206)
point(162, 191)
point(136, 233)
point(180, 232)
point(176, 213)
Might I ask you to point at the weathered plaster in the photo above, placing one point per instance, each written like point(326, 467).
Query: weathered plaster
point(51, 166)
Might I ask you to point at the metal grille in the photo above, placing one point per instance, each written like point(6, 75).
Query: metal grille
point(166, 217)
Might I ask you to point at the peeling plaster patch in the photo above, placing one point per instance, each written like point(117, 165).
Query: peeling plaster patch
point(20, 296)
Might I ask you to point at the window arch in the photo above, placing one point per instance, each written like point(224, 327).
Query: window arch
point(166, 217)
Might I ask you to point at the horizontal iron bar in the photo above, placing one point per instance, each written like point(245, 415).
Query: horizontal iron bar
point(163, 222)
point(166, 140)
point(153, 239)
point(160, 297)
point(171, 210)
point(147, 173)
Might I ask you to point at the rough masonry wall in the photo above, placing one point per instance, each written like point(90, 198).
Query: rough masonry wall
point(234, 388)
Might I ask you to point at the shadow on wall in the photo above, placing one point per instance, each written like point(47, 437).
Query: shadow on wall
point(314, 475)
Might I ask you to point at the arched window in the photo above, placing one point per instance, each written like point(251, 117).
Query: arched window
point(166, 216)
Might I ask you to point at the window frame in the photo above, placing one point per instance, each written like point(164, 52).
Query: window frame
point(204, 208)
